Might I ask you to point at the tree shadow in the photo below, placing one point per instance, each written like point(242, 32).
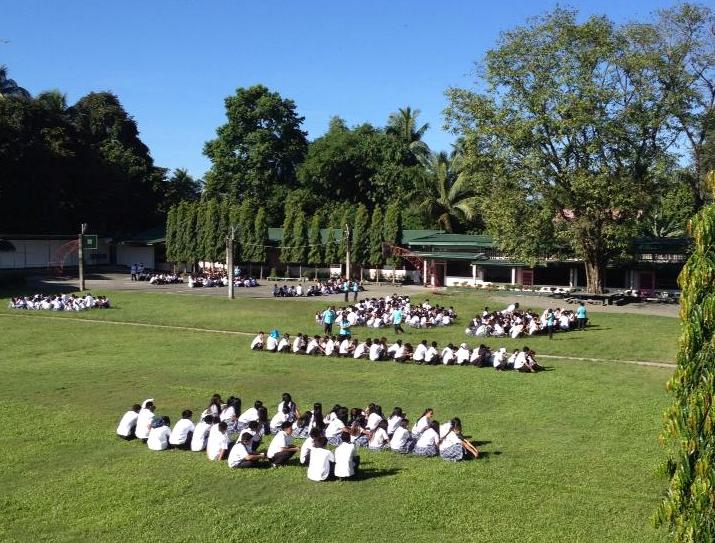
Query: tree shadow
point(484, 455)
point(363, 474)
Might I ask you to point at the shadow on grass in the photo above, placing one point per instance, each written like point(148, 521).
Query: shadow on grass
point(363, 474)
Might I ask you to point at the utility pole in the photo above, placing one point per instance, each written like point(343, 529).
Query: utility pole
point(229, 261)
point(80, 256)
point(347, 252)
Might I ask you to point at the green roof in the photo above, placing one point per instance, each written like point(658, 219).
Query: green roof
point(147, 237)
point(449, 255)
point(437, 239)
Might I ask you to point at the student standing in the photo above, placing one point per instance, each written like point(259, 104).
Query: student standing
point(182, 433)
point(581, 316)
point(356, 289)
point(397, 317)
point(328, 320)
point(128, 423)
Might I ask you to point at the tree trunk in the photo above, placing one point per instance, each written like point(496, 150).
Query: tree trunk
point(361, 270)
point(261, 277)
point(595, 275)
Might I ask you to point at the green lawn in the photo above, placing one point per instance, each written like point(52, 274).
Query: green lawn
point(570, 454)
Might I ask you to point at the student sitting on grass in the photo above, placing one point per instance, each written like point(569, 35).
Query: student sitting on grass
point(217, 445)
point(242, 456)
point(428, 442)
point(346, 458)
point(402, 441)
point(182, 433)
point(307, 446)
point(321, 466)
point(158, 439)
point(423, 422)
point(258, 342)
point(285, 416)
point(453, 446)
point(281, 448)
point(201, 433)
point(336, 426)
point(128, 423)
point(378, 438)
point(146, 414)
point(301, 427)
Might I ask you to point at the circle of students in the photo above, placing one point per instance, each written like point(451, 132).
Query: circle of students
point(59, 302)
point(513, 322)
point(225, 433)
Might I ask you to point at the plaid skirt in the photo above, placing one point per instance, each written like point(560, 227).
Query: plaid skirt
point(361, 441)
point(301, 433)
point(453, 453)
point(335, 440)
point(407, 447)
point(383, 448)
point(430, 450)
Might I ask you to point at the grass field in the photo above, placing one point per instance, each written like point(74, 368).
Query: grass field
point(569, 454)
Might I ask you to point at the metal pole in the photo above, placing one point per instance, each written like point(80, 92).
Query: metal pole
point(229, 263)
point(347, 252)
point(83, 229)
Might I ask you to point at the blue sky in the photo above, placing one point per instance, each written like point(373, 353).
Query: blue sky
point(173, 62)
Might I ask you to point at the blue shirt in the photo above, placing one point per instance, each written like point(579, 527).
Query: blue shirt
point(581, 312)
point(397, 316)
point(345, 328)
point(328, 316)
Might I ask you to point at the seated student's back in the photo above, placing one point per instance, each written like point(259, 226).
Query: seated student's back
point(319, 466)
point(128, 424)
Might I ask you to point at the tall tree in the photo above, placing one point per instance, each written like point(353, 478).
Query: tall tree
point(170, 236)
point(288, 233)
point(393, 230)
point(332, 256)
point(682, 39)
point(246, 226)
point(403, 125)
point(360, 243)
point(209, 232)
point(346, 222)
point(572, 118)
point(316, 256)
point(257, 150)
point(260, 238)
point(179, 186)
point(377, 236)
point(688, 508)
point(299, 253)
point(9, 87)
point(189, 240)
point(443, 196)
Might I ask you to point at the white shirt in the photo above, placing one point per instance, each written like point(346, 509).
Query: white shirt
point(450, 439)
point(249, 415)
point(297, 344)
point(373, 420)
point(444, 428)
point(428, 437)
point(127, 424)
point(399, 438)
point(282, 344)
point(498, 359)
point(329, 347)
point(159, 438)
point(312, 346)
point(334, 428)
point(378, 439)
point(392, 424)
point(271, 343)
point(278, 419)
point(238, 453)
point(375, 351)
point(344, 460)
point(198, 440)
point(520, 360)
point(420, 352)
point(181, 431)
point(143, 423)
point(344, 346)
point(319, 466)
point(462, 355)
point(258, 340)
point(360, 350)
point(447, 355)
point(280, 441)
point(430, 354)
point(216, 442)
point(227, 413)
point(305, 449)
point(420, 425)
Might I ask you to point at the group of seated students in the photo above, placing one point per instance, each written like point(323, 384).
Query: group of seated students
point(59, 302)
point(387, 311)
point(165, 279)
point(225, 432)
point(210, 279)
point(377, 349)
point(513, 322)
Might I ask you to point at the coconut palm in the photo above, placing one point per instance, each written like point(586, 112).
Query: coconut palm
point(444, 195)
point(9, 88)
point(403, 125)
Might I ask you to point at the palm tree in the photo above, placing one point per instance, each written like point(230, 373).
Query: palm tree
point(9, 88)
point(444, 195)
point(403, 125)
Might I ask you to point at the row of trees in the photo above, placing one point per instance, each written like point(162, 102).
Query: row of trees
point(198, 231)
point(62, 165)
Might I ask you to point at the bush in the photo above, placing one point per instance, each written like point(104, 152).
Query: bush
point(273, 275)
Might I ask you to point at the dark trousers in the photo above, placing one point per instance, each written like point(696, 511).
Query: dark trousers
point(186, 445)
point(355, 295)
point(581, 323)
point(346, 295)
point(550, 330)
point(398, 329)
point(130, 437)
point(281, 457)
point(328, 328)
point(247, 464)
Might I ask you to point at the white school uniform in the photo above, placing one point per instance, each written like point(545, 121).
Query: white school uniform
point(399, 438)
point(420, 426)
point(360, 350)
point(237, 454)
point(159, 438)
point(201, 433)
point(258, 340)
point(216, 442)
point(430, 354)
point(127, 424)
point(319, 466)
point(227, 414)
point(393, 423)
point(520, 360)
point(271, 343)
point(462, 355)
point(345, 460)
point(143, 423)
point(305, 449)
point(447, 355)
point(330, 347)
point(283, 344)
point(298, 344)
point(373, 420)
point(428, 437)
point(249, 415)
point(280, 441)
point(379, 439)
point(344, 346)
point(181, 431)
point(420, 352)
point(375, 351)
point(312, 346)
point(277, 420)
point(334, 428)
point(445, 428)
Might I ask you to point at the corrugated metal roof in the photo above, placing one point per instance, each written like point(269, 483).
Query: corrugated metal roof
point(455, 240)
